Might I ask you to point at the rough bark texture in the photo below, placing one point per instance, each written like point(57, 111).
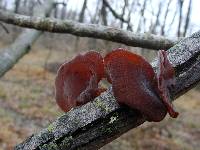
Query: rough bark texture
point(88, 30)
point(11, 54)
point(101, 121)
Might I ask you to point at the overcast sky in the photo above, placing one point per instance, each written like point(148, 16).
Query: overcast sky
point(195, 16)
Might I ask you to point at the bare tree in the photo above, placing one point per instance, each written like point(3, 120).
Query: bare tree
point(180, 4)
point(25, 3)
point(130, 10)
point(187, 20)
point(95, 20)
point(142, 18)
point(17, 6)
point(63, 11)
point(104, 14)
point(115, 14)
point(82, 13)
point(157, 22)
point(56, 11)
point(81, 19)
point(173, 19)
point(165, 18)
point(31, 7)
point(123, 12)
point(1, 4)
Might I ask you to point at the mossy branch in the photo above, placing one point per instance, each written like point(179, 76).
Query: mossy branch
point(95, 124)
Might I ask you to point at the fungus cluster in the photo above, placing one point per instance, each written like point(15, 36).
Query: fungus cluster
point(133, 80)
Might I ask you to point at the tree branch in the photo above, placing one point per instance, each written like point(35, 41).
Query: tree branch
point(96, 123)
point(115, 14)
point(88, 30)
point(4, 27)
point(11, 54)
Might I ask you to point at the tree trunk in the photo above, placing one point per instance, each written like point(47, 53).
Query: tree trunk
point(187, 20)
point(63, 12)
point(17, 6)
point(11, 54)
point(180, 4)
point(81, 19)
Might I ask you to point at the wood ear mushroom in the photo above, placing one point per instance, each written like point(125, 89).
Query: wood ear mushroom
point(133, 79)
point(77, 81)
point(136, 85)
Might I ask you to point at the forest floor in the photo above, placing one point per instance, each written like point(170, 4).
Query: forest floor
point(27, 104)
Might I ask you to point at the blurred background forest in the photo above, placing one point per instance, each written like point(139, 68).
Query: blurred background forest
point(27, 91)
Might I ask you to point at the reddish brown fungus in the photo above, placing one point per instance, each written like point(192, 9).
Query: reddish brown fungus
point(133, 80)
point(77, 81)
point(166, 80)
point(134, 83)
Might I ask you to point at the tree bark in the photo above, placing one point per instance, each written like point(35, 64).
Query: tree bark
point(96, 123)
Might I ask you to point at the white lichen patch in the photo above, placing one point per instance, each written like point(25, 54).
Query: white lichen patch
point(112, 119)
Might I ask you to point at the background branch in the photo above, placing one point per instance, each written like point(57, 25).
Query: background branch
point(4, 27)
point(88, 30)
point(99, 122)
point(11, 54)
point(115, 14)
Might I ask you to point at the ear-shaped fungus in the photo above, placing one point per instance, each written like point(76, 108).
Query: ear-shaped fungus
point(77, 81)
point(166, 80)
point(134, 84)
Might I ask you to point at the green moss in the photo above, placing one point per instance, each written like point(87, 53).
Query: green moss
point(45, 24)
point(50, 128)
point(50, 146)
point(98, 103)
point(66, 142)
point(101, 105)
point(108, 130)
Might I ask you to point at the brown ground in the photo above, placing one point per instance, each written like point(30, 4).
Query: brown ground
point(27, 104)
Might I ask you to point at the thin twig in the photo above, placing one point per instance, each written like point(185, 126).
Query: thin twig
point(4, 27)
